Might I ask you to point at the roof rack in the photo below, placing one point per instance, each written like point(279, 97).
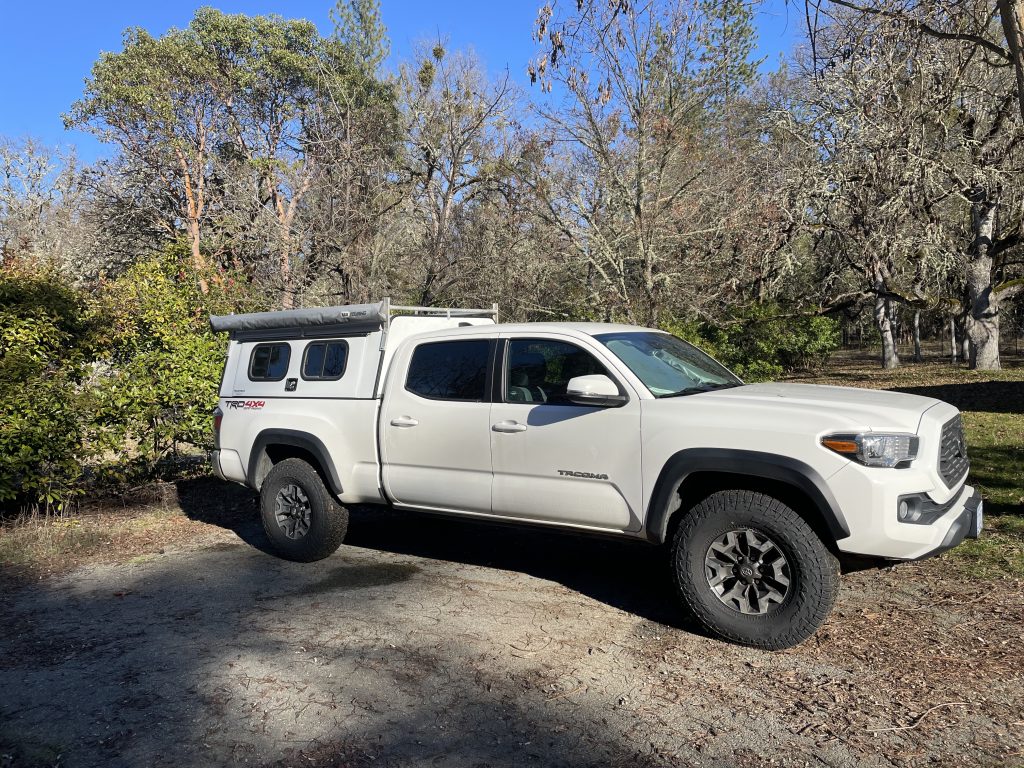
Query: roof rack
point(390, 310)
point(319, 320)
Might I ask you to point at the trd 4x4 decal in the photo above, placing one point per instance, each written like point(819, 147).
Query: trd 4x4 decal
point(248, 405)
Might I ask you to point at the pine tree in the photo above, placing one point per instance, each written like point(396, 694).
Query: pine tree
point(730, 38)
point(358, 25)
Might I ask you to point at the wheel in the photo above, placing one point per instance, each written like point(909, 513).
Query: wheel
point(751, 570)
point(301, 518)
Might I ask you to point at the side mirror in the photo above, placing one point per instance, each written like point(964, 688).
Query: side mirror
point(595, 389)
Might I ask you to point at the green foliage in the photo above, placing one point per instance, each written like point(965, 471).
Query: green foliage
point(763, 343)
point(225, 77)
point(45, 337)
point(358, 26)
point(164, 362)
point(729, 39)
point(106, 385)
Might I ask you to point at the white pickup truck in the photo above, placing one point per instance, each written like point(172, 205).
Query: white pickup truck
point(755, 489)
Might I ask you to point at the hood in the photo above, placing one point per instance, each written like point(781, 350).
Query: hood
point(856, 408)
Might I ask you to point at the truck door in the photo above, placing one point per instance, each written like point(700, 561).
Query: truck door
point(435, 426)
point(557, 461)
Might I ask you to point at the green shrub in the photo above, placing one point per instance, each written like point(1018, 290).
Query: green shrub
point(46, 336)
point(164, 363)
point(763, 341)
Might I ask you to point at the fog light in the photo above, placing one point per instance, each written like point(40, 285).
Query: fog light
point(904, 511)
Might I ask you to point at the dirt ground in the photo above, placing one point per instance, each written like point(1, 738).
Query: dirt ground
point(444, 643)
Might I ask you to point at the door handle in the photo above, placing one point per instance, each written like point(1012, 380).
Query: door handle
point(404, 421)
point(509, 426)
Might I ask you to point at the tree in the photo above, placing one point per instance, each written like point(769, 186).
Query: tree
point(153, 100)
point(974, 87)
point(231, 100)
point(283, 89)
point(359, 28)
point(638, 145)
point(457, 128)
point(41, 197)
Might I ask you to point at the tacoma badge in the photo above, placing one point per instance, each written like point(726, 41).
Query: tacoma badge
point(584, 475)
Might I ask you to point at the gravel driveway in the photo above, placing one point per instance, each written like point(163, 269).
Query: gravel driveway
point(443, 643)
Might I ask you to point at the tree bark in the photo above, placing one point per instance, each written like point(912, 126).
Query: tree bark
point(890, 358)
point(952, 338)
point(917, 336)
point(1011, 14)
point(982, 320)
point(883, 319)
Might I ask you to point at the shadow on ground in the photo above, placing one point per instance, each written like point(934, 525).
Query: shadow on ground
point(225, 656)
point(630, 576)
point(982, 396)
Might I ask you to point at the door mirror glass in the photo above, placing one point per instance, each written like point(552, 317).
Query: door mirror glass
point(595, 389)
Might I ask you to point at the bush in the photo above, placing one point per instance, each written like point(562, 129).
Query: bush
point(164, 363)
point(46, 336)
point(763, 342)
point(108, 384)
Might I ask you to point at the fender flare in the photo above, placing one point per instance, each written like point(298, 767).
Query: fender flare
point(296, 439)
point(754, 464)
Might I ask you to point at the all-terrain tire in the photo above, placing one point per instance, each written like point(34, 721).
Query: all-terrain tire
point(813, 571)
point(320, 532)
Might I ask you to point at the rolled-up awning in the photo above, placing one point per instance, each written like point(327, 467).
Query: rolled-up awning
point(361, 314)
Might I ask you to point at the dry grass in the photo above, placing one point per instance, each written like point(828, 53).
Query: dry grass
point(34, 546)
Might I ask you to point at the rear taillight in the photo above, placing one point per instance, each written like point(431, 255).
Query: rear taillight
point(218, 417)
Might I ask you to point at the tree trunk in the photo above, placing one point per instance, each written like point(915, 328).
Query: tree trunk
point(197, 255)
point(1011, 14)
point(982, 319)
point(917, 336)
point(965, 342)
point(288, 288)
point(952, 338)
point(890, 358)
point(883, 319)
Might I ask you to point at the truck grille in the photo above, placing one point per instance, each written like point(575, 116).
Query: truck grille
point(953, 463)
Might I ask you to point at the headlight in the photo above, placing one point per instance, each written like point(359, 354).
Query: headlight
point(875, 449)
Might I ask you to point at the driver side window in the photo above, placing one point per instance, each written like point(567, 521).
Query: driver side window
point(539, 370)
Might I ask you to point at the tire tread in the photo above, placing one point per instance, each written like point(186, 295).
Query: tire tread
point(811, 605)
point(333, 523)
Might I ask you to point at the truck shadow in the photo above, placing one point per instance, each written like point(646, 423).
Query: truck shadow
point(630, 576)
point(984, 396)
point(223, 656)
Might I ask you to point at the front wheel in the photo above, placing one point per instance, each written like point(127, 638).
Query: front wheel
point(751, 570)
point(301, 518)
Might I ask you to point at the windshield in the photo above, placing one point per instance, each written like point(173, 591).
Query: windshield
point(668, 366)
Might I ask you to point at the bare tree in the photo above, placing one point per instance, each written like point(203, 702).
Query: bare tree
point(458, 134)
point(638, 183)
point(41, 202)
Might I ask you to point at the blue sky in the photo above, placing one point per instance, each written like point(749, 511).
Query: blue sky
point(49, 47)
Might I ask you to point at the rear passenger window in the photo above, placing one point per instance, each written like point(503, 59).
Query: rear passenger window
point(324, 360)
point(269, 362)
point(450, 370)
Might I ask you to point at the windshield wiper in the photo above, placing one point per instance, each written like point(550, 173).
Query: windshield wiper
point(687, 391)
point(698, 390)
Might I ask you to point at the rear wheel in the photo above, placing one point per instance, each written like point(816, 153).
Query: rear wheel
point(751, 570)
point(300, 516)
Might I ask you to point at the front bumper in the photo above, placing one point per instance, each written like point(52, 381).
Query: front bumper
point(869, 499)
point(967, 525)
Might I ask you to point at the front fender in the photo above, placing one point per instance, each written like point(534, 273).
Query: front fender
point(739, 462)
